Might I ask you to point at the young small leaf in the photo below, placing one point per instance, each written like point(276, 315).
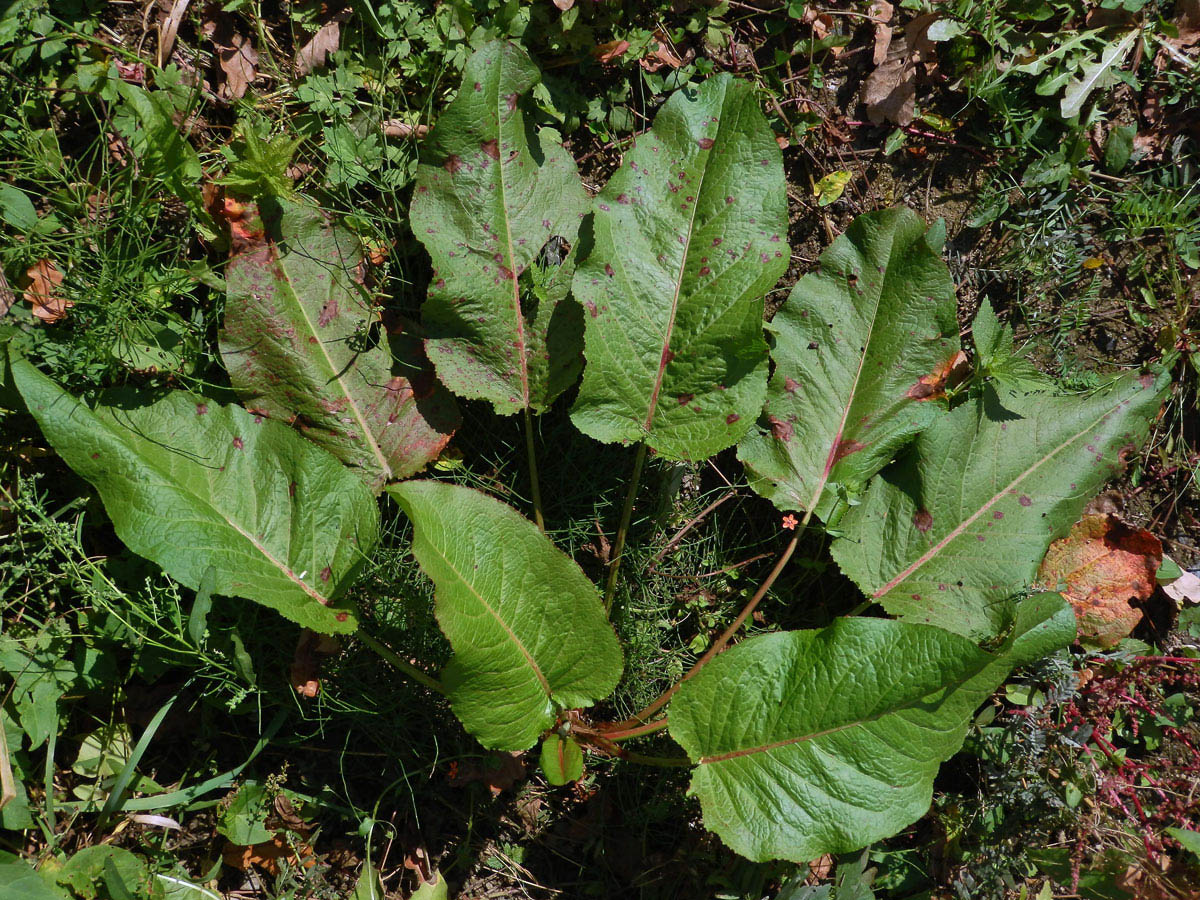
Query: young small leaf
point(298, 344)
point(561, 759)
point(813, 742)
point(963, 519)
point(528, 629)
point(492, 191)
point(195, 487)
point(688, 236)
point(863, 347)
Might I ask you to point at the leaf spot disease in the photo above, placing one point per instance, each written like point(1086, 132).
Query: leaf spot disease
point(1025, 501)
point(781, 429)
point(923, 520)
point(491, 148)
point(705, 143)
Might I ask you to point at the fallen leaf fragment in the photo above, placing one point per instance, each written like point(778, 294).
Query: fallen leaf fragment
point(890, 91)
point(169, 18)
point(43, 293)
point(933, 386)
point(659, 54)
point(607, 52)
point(267, 855)
point(1187, 22)
point(235, 54)
point(402, 129)
point(881, 14)
point(327, 39)
point(1100, 567)
point(498, 771)
point(1184, 589)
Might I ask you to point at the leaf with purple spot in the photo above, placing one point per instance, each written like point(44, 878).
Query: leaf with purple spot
point(301, 344)
point(849, 345)
point(494, 195)
point(961, 522)
point(687, 237)
point(214, 492)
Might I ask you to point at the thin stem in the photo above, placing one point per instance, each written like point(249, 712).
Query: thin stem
point(534, 486)
point(719, 644)
point(614, 565)
point(403, 665)
point(624, 734)
point(665, 762)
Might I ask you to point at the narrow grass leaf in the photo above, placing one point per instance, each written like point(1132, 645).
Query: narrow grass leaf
point(300, 343)
point(493, 190)
point(528, 629)
point(191, 485)
point(963, 519)
point(814, 742)
point(687, 237)
point(862, 350)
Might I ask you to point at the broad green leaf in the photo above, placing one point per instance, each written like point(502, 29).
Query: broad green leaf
point(191, 485)
point(19, 882)
point(813, 742)
point(527, 626)
point(16, 208)
point(862, 348)
point(300, 346)
point(561, 759)
point(492, 191)
point(962, 521)
point(687, 237)
point(1188, 839)
point(104, 864)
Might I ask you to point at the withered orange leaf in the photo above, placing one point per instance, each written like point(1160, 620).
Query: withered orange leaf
point(610, 51)
point(1100, 567)
point(43, 292)
point(267, 855)
point(312, 55)
point(933, 386)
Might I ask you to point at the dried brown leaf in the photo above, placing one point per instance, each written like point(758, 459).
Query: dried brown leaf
point(1187, 21)
point(881, 13)
point(327, 39)
point(610, 51)
point(267, 855)
point(235, 54)
point(659, 54)
point(890, 91)
point(169, 20)
point(401, 129)
point(42, 291)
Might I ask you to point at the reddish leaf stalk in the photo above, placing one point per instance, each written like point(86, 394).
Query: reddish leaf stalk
point(726, 636)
